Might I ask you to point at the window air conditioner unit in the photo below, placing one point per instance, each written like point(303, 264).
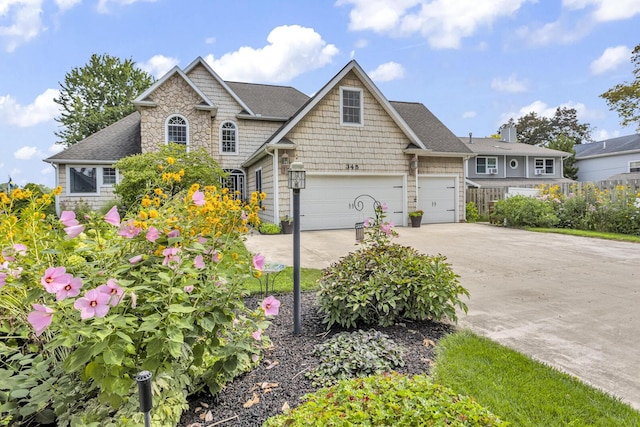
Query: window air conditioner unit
point(493, 171)
point(538, 172)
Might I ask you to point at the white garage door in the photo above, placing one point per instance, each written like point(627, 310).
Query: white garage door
point(327, 202)
point(437, 198)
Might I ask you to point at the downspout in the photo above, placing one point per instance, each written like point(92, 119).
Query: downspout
point(57, 198)
point(276, 173)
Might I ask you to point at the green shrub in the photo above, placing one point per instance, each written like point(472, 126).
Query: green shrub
point(472, 212)
point(524, 211)
point(354, 354)
point(268, 228)
point(381, 283)
point(389, 399)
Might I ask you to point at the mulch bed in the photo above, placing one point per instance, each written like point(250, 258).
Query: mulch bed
point(279, 381)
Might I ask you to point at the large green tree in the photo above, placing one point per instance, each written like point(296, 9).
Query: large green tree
point(96, 95)
point(624, 98)
point(564, 143)
point(538, 130)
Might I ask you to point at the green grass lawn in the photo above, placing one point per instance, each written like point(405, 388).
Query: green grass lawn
point(284, 281)
point(521, 390)
point(584, 233)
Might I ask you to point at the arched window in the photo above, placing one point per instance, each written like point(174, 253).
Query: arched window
point(235, 183)
point(228, 138)
point(177, 130)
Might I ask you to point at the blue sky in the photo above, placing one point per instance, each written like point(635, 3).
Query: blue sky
point(473, 63)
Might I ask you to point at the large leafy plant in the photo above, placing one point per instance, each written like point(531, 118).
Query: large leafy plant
point(383, 282)
point(87, 303)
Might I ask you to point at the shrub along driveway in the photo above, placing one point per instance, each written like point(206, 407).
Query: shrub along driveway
point(571, 302)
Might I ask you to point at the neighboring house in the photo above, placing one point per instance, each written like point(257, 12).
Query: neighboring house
point(506, 163)
point(350, 138)
point(616, 158)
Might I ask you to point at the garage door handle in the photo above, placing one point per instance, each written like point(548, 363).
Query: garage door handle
point(398, 211)
point(451, 210)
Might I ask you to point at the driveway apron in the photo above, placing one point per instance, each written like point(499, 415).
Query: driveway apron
point(571, 302)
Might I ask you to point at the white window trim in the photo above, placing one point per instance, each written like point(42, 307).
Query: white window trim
point(486, 166)
point(99, 179)
point(635, 163)
point(166, 128)
point(544, 165)
point(352, 89)
point(228, 153)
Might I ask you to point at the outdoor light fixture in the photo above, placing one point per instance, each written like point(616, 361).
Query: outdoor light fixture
point(297, 176)
point(413, 163)
point(284, 163)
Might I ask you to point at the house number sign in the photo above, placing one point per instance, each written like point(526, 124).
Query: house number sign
point(352, 167)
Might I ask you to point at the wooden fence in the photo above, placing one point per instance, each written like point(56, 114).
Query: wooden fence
point(483, 197)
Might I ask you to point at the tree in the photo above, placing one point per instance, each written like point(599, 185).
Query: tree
point(97, 95)
point(171, 169)
point(536, 130)
point(564, 143)
point(624, 98)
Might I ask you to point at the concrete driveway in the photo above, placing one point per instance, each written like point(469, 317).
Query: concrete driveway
point(570, 302)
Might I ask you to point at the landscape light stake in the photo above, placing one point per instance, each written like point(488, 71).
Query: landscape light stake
point(144, 390)
point(296, 182)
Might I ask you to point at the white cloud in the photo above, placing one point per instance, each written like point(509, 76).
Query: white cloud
point(47, 170)
point(511, 84)
point(67, 4)
point(542, 109)
point(210, 40)
point(24, 22)
point(103, 5)
point(41, 110)
point(26, 153)
point(387, 72)
point(55, 148)
point(611, 58)
point(603, 134)
point(469, 114)
point(291, 51)
point(443, 23)
point(606, 10)
point(557, 32)
point(158, 65)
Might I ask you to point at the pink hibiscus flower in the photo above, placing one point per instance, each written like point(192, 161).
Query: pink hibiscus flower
point(198, 198)
point(93, 303)
point(113, 290)
point(40, 318)
point(258, 262)
point(71, 289)
point(3, 279)
point(271, 306)
point(68, 218)
point(173, 233)
point(74, 230)
point(188, 289)
point(113, 217)
point(257, 335)
point(152, 234)
point(136, 259)
point(55, 279)
point(387, 228)
point(171, 257)
point(198, 262)
point(129, 230)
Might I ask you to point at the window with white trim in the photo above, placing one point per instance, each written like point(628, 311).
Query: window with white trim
point(177, 130)
point(544, 166)
point(108, 176)
point(351, 106)
point(486, 165)
point(228, 138)
point(234, 182)
point(634, 166)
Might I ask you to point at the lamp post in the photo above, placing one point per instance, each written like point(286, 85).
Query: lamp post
point(297, 177)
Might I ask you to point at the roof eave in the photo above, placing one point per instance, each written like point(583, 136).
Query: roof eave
point(260, 117)
point(616, 153)
point(80, 162)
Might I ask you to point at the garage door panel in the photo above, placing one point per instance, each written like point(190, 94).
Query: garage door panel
point(327, 202)
point(437, 198)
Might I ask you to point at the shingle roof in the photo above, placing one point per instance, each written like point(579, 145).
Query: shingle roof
point(515, 182)
point(269, 100)
point(608, 147)
point(118, 140)
point(431, 131)
point(498, 147)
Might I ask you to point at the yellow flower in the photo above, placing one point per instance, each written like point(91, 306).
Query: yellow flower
point(257, 274)
point(171, 160)
point(153, 213)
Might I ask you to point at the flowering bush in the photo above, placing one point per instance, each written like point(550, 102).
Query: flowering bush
point(383, 282)
point(87, 303)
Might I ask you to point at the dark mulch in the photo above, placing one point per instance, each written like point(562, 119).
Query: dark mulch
point(280, 379)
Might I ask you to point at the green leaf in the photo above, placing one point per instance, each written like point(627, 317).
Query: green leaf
point(179, 308)
point(113, 356)
point(78, 358)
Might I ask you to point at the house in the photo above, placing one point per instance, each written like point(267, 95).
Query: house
point(506, 163)
point(615, 158)
point(351, 139)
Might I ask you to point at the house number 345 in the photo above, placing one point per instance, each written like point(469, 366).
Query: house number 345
point(352, 167)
